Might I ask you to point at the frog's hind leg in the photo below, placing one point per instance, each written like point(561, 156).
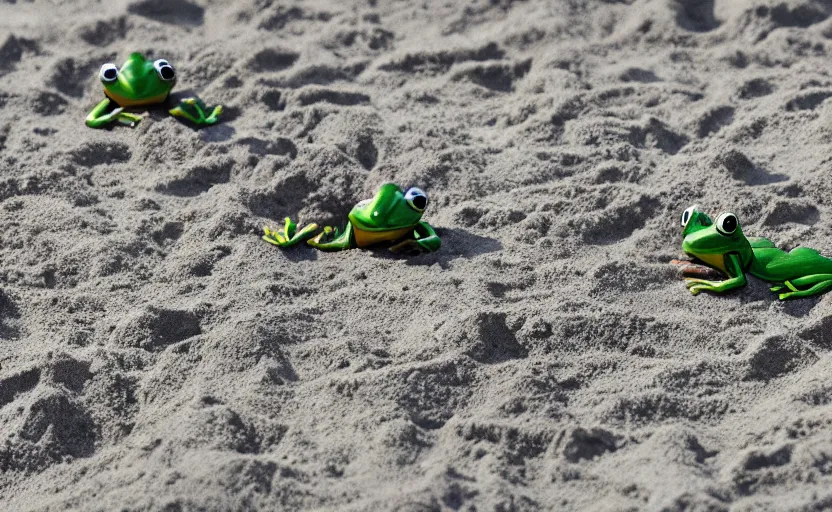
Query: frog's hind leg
point(193, 110)
point(818, 284)
point(97, 118)
point(795, 284)
point(817, 289)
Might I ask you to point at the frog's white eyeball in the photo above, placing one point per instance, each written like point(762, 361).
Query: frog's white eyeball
point(727, 223)
point(687, 215)
point(108, 73)
point(416, 198)
point(164, 70)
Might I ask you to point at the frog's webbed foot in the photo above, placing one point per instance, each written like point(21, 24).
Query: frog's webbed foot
point(289, 235)
point(331, 240)
point(97, 118)
point(785, 287)
point(697, 285)
point(193, 109)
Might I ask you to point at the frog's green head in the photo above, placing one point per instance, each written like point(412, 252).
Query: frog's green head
point(710, 241)
point(390, 209)
point(139, 81)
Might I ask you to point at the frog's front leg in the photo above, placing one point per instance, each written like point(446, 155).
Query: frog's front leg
point(97, 118)
point(736, 279)
point(289, 235)
point(338, 243)
point(425, 240)
point(193, 110)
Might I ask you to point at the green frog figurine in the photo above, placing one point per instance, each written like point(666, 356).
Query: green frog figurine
point(140, 82)
point(801, 272)
point(393, 215)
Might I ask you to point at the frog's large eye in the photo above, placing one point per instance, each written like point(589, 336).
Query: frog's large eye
point(416, 198)
point(108, 73)
point(727, 224)
point(687, 215)
point(164, 70)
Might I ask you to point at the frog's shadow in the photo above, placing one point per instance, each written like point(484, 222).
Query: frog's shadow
point(758, 291)
point(298, 254)
point(456, 243)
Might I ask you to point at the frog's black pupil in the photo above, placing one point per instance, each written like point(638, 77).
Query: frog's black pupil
point(420, 202)
point(167, 72)
point(685, 218)
point(110, 74)
point(729, 224)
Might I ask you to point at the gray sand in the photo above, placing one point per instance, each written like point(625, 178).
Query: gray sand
point(157, 355)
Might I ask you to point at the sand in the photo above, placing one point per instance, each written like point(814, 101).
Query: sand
point(156, 354)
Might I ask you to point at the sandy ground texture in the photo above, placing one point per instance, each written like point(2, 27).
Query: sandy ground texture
point(156, 354)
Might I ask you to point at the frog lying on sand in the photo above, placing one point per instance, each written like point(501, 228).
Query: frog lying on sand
point(393, 215)
point(139, 83)
point(801, 272)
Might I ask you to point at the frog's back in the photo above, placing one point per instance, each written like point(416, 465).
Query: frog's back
point(774, 264)
point(758, 242)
